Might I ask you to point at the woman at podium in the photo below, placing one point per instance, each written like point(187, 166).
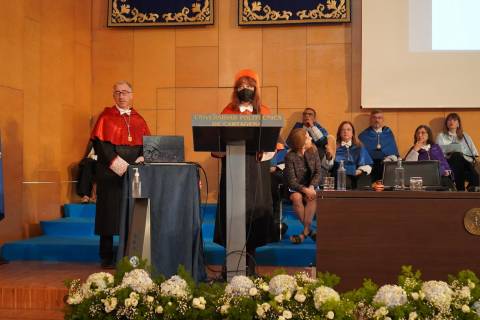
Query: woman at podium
point(246, 100)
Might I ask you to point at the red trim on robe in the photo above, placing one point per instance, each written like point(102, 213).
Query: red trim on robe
point(112, 127)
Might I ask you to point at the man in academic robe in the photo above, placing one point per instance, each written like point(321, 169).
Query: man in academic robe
point(318, 133)
point(118, 141)
point(380, 143)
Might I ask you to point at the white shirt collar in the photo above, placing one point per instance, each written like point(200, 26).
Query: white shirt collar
point(379, 130)
point(123, 111)
point(426, 147)
point(246, 108)
point(346, 144)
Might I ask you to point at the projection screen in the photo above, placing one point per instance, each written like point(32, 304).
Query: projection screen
point(420, 54)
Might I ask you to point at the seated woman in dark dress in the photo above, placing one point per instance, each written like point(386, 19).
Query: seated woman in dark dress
point(460, 152)
point(425, 149)
point(302, 169)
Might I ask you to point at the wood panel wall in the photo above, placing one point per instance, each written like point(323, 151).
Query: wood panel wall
point(45, 90)
point(63, 60)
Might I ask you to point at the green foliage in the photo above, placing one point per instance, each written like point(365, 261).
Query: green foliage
point(363, 294)
point(328, 279)
point(211, 301)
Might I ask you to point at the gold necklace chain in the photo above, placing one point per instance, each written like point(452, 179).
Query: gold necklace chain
point(128, 127)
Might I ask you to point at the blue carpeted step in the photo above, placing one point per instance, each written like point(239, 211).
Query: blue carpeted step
point(78, 210)
point(49, 248)
point(72, 239)
point(69, 227)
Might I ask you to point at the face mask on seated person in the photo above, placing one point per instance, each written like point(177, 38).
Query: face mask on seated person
point(246, 95)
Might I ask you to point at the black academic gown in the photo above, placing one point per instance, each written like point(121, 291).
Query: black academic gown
point(110, 185)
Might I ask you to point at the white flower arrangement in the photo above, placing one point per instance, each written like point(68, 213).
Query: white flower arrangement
point(281, 284)
point(134, 295)
point(390, 296)
point(476, 307)
point(174, 287)
point(438, 293)
point(323, 294)
point(240, 286)
point(95, 283)
point(139, 280)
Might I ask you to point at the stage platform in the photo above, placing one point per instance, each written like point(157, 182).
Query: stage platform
point(35, 289)
point(72, 239)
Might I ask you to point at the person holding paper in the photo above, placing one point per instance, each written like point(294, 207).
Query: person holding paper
point(460, 151)
point(425, 149)
point(380, 143)
point(318, 133)
point(118, 141)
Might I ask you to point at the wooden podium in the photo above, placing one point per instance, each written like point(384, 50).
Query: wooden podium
point(235, 135)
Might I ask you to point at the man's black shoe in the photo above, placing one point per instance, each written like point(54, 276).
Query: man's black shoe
point(3, 261)
point(107, 264)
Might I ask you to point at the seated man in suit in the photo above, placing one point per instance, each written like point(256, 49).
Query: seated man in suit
point(380, 143)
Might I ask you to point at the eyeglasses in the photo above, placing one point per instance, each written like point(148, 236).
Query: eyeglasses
point(308, 114)
point(122, 93)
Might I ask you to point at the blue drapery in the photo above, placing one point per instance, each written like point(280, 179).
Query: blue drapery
point(255, 12)
point(175, 217)
point(143, 13)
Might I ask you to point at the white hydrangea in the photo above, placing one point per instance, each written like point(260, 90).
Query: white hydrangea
point(239, 286)
point(323, 294)
point(390, 296)
point(412, 316)
point(139, 280)
point(476, 307)
point(174, 287)
point(330, 315)
point(438, 293)
point(95, 283)
point(282, 283)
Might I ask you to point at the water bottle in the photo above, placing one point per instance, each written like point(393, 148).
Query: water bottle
point(136, 185)
point(341, 177)
point(399, 176)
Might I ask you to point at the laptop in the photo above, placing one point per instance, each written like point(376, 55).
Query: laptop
point(429, 170)
point(163, 149)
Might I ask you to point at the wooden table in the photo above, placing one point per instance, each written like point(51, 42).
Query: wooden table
point(366, 234)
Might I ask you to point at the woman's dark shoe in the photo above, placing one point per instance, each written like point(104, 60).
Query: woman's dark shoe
point(313, 235)
point(297, 238)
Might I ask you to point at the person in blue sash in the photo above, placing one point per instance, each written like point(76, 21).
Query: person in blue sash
point(318, 133)
point(357, 161)
point(380, 143)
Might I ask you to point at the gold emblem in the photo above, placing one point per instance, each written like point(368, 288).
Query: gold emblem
point(472, 221)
